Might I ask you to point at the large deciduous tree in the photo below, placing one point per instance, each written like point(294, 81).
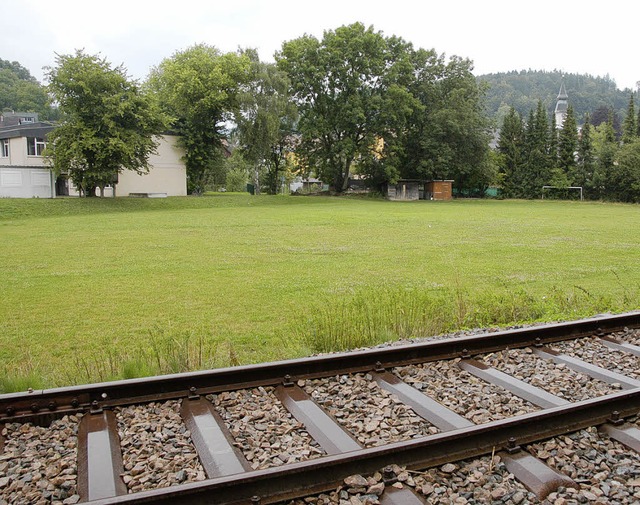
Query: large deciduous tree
point(266, 120)
point(446, 134)
point(347, 87)
point(108, 123)
point(199, 89)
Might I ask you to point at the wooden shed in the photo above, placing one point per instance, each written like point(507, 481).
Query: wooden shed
point(404, 189)
point(438, 190)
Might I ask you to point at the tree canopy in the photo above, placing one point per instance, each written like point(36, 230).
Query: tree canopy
point(199, 89)
point(108, 124)
point(266, 121)
point(377, 105)
point(20, 91)
point(346, 88)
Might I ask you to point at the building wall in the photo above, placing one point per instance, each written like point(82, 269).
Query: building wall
point(439, 190)
point(23, 176)
point(404, 190)
point(18, 155)
point(20, 182)
point(167, 175)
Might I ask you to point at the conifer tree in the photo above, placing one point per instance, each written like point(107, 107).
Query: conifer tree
point(567, 145)
point(537, 171)
point(553, 142)
point(605, 150)
point(585, 162)
point(510, 146)
point(630, 127)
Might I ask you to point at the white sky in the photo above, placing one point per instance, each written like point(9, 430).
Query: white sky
point(598, 38)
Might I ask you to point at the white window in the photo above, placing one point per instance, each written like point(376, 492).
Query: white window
point(4, 148)
point(35, 146)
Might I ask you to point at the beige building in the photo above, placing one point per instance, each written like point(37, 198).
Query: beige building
point(167, 177)
point(24, 173)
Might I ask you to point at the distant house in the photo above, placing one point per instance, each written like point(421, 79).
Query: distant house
point(24, 174)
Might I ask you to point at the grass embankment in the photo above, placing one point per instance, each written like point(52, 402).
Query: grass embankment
point(94, 289)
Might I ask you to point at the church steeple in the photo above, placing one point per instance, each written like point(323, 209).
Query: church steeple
point(562, 104)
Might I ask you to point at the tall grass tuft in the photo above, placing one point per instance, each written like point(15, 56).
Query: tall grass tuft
point(375, 314)
point(22, 377)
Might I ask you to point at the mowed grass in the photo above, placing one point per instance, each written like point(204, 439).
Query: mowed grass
point(97, 289)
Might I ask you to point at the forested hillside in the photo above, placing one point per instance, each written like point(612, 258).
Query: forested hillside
point(20, 91)
point(523, 89)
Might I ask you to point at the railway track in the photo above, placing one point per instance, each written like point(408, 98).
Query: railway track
point(508, 416)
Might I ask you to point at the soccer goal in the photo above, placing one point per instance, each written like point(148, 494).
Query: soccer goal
point(561, 188)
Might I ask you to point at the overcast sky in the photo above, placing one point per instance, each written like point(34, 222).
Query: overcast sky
point(598, 38)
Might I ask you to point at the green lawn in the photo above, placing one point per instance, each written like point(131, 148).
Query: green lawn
point(96, 289)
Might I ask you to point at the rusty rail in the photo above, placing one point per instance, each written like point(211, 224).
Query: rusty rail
point(230, 479)
point(301, 479)
point(54, 402)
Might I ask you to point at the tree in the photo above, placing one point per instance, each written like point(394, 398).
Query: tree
point(511, 147)
point(20, 91)
point(585, 161)
point(604, 114)
point(605, 151)
point(537, 167)
point(347, 89)
point(553, 142)
point(625, 179)
point(446, 134)
point(237, 171)
point(108, 123)
point(567, 146)
point(629, 126)
point(266, 120)
point(199, 89)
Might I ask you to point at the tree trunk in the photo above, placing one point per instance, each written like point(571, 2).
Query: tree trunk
point(345, 175)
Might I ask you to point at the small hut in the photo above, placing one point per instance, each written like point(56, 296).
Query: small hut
point(438, 190)
point(404, 190)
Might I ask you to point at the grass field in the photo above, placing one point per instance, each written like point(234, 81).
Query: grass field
point(97, 289)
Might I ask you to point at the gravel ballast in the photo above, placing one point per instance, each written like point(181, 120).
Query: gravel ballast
point(38, 464)
point(555, 378)
point(374, 416)
point(606, 471)
point(263, 429)
point(156, 447)
point(593, 351)
point(462, 392)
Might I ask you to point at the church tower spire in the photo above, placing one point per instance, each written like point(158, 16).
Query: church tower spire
point(562, 103)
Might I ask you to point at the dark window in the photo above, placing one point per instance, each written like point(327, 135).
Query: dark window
point(35, 146)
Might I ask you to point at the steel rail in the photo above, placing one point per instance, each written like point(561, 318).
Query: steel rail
point(51, 403)
point(303, 479)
